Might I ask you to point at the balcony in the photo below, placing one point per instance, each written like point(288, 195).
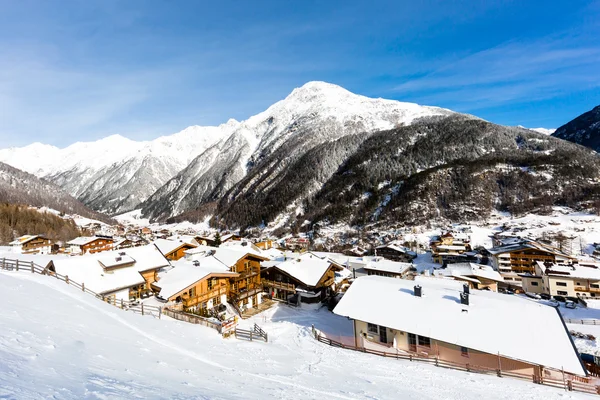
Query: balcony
point(244, 293)
point(279, 285)
point(586, 289)
point(195, 300)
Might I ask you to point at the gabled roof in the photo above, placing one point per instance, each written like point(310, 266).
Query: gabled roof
point(168, 246)
point(493, 323)
point(88, 269)
point(527, 245)
point(184, 274)
point(470, 270)
point(589, 271)
point(83, 240)
point(25, 239)
point(383, 265)
point(306, 269)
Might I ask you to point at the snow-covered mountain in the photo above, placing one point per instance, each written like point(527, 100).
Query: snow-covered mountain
point(311, 115)
point(583, 130)
point(545, 131)
point(19, 187)
point(115, 174)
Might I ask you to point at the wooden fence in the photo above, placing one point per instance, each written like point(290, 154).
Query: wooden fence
point(582, 321)
point(255, 333)
point(568, 382)
point(191, 318)
point(30, 266)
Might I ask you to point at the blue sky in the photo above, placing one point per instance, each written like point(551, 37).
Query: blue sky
point(81, 70)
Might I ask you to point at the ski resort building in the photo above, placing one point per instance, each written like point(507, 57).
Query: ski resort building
point(121, 274)
point(441, 319)
point(568, 280)
point(32, 244)
point(173, 249)
point(90, 244)
point(309, 277)
point(520, 257)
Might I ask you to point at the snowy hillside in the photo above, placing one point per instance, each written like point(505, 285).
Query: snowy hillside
point(312, 115)
point(114, 174)
point(76, 347)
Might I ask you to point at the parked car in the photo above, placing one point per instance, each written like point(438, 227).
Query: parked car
point(533, 295)
point(510, 291)
point(560, 298)
point(545, 296)
point(553, 303)
point(570, 304)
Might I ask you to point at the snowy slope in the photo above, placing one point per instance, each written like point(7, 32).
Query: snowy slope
point(313, 114)
point(76, 347)
point(114, 174)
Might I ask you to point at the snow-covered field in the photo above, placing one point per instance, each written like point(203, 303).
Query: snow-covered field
point(57, 342)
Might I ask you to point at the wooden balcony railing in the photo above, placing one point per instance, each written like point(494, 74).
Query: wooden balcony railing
point(279, 285)
point(195, 300)
point(586, 289)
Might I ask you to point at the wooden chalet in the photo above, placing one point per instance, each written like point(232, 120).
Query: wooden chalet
point(33, 244)
point(90, 244)
point(395, 252)
point(309, 279)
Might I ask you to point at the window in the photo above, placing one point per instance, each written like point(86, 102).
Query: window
point(372, 328)
point(464, 351)
point(561, 283)
point(534, 284)
point(561, 293)
point(594, 286)
point(578, 284)
point(424, 341)
point(210, 283)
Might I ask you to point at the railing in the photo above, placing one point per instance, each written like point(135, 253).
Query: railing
point(582, 321)
point(255, 333)
point(568, 382)
point(279, 285)
point(584, 289)
point(30, 266)
point(192, 301)
point(191, 318)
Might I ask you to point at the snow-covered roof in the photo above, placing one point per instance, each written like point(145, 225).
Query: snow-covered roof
point(470, 270)
point(584, 271)
point(115, 260)
point(230, 256)
point(88, 269)
point(307, 269)
point(530, 244)
point(23, 239)
point(451, 247)
point(185, 273)
point(383, 265)
point(83, 240)
point(493, 323)
point(398, 248)
point(167, 246)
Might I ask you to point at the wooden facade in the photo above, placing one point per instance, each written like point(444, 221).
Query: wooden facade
point(246, 287)
point(179, 252)
point(36, 245)
point(206, 293)
point(95, 246)
point(282, 285)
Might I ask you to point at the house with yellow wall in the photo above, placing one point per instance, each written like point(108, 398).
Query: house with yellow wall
point(568, 280)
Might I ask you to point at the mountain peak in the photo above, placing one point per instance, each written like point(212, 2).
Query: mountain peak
point(317, 88)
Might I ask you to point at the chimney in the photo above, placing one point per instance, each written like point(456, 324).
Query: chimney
point(464, 298)
point(466, 288)
point(418, 290)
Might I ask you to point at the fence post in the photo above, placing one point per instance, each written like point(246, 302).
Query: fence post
point(563, 376)
point(142, 308)
point(17, 264)
point(121, 304)
point(82, 286)
point(32, 267)
point(3, 262)
point(499, 366)
point(159, 312)
point(67, 279)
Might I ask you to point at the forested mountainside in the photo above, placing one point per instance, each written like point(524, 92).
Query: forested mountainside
point(444, 168)
point(583, 130)
point(19, 187)
point(17, 220)
point(267, 143)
